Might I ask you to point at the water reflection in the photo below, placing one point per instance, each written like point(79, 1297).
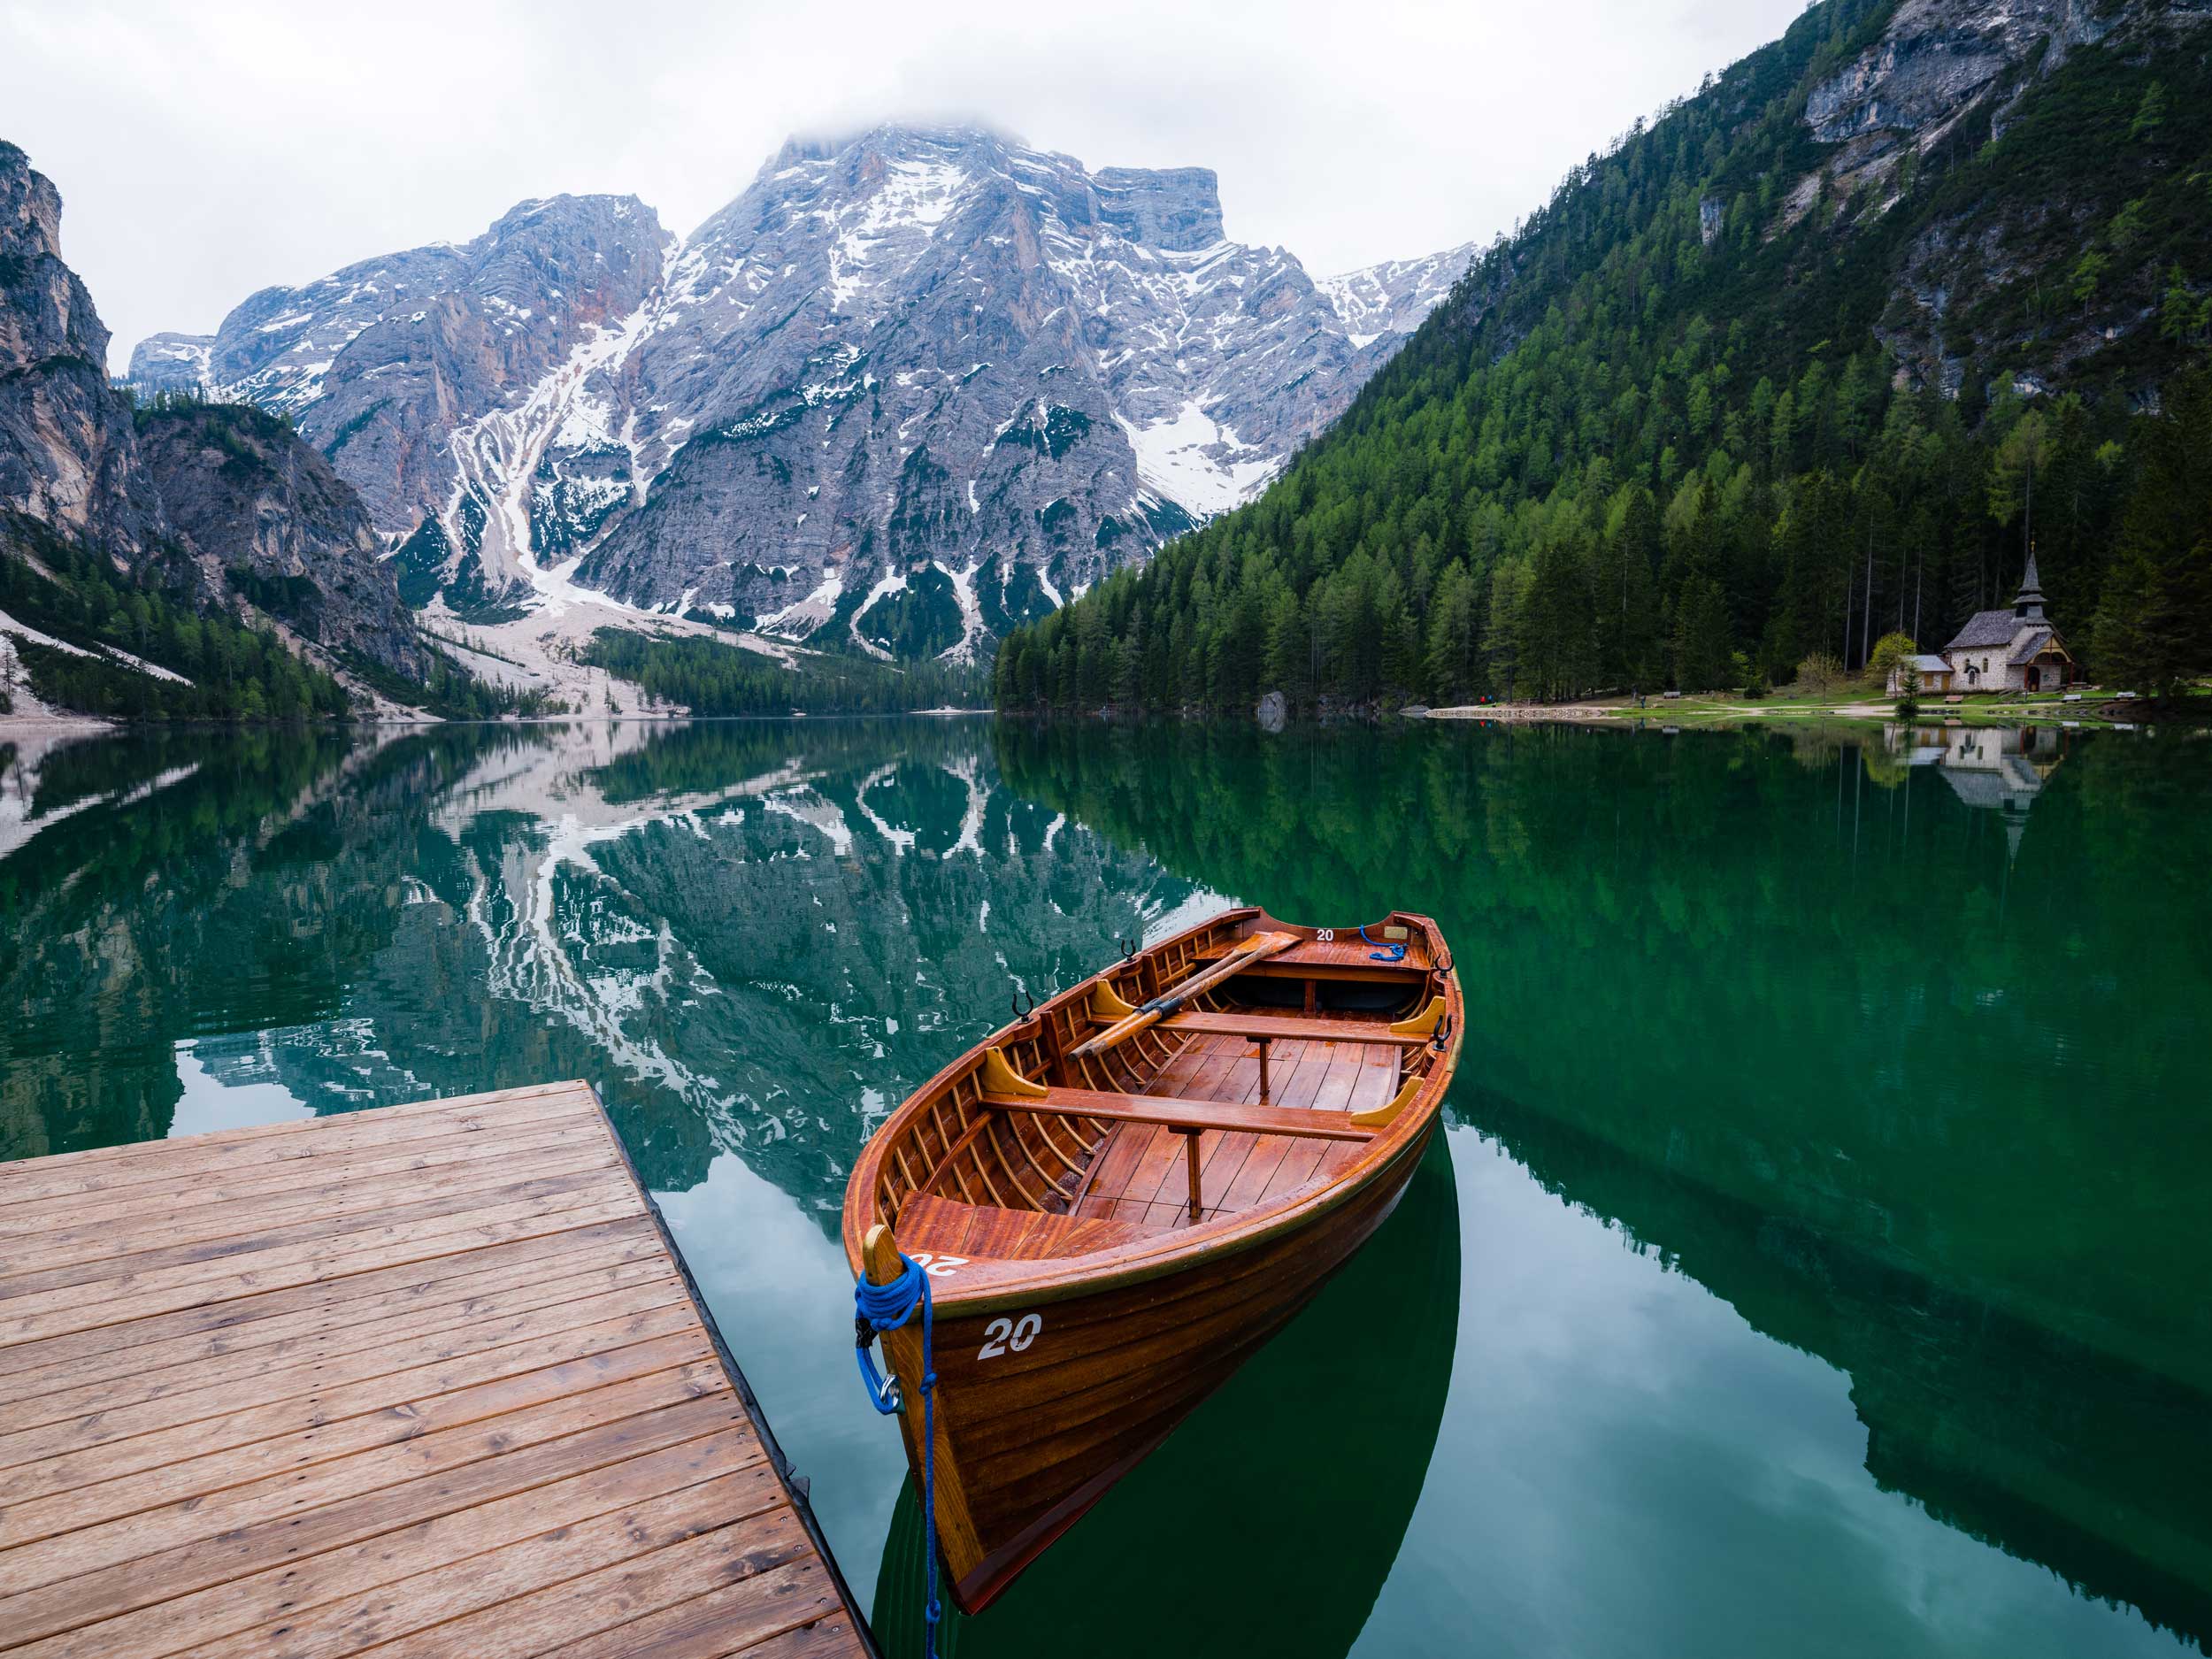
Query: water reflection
point(1806, 1029)
point(1825, 1035)
point(1303, 1471)
point(1999, 769)
point(743, 932)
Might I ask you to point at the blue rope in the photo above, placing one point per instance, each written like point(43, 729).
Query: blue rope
point(1388, 953)
point(877, 1309)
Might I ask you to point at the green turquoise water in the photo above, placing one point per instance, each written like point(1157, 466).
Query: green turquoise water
point(1813, 1263)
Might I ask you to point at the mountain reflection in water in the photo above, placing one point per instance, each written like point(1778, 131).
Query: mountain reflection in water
point(1894, 1046)
point(755, 938)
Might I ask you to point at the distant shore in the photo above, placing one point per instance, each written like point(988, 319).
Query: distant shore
point(2096, 708)
point(1538, 711)
point(15, 728)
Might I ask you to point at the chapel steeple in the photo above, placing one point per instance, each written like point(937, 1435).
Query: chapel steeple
point(2028, 602)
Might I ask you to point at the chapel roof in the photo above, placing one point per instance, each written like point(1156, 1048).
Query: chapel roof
point(1985, 627)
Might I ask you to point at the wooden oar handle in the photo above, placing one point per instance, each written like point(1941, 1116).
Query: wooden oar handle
point(1243, 956)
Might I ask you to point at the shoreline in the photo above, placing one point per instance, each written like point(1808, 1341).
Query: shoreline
point(24, 727)
point(1587, 713)
point(50, 727)
point(2105, 712)
point(2108, 714)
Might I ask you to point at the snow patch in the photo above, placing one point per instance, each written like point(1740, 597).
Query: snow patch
point(106, 653)
point(890, 582)
point(1193, 461)
point(802, 616)
point(971, 611)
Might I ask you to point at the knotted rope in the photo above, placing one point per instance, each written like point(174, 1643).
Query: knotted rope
point(877, 1309)
point(1388, 953)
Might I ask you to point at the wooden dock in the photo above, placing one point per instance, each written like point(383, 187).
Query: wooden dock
point(424, 1380)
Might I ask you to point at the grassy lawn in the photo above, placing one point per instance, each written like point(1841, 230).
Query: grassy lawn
point(1869, 703)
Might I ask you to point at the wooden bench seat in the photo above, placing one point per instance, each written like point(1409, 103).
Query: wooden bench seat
point(1291, 1028)
point(1332, 972)
point(1190, 1116)
point(1332, 959)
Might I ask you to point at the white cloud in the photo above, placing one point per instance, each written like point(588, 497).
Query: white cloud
point(208, 150)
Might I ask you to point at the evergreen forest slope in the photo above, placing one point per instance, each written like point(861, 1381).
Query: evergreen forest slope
point(1808, 358)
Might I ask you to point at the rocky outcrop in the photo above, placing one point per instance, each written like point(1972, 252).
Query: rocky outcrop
point(216, 507)
point(923, 384)
point(66, 454)
point(1964, 70)
point(171, 363)
point(381, 364)
point(908, 389)
point(1383, 304)
point(1936, 58)
point(266, 519)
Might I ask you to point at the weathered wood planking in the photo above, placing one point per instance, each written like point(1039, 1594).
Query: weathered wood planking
point(429, 1380)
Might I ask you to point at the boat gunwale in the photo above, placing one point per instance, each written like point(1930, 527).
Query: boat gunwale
point(988, 1286)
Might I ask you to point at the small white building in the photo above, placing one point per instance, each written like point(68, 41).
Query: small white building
point(1930, 674)
point(2007, 650)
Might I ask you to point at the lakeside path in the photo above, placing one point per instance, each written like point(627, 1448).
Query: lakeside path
point(1526, 711)
point(1730, 711)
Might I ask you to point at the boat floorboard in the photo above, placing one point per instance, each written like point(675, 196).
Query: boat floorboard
point(1142, 1176)
point(425, 1379)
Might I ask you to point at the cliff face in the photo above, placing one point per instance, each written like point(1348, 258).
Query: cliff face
point(2044, 267)
point(382, 363)
point(66, 454)
point(218, 508)
point(907, 389)
point(265, 518)
point(1941, 69)
point(914, 385)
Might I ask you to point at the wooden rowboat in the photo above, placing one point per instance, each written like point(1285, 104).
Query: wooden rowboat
point(1121, 1195)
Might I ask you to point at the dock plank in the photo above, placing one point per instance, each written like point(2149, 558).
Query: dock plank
point(239, 1322)
point(402, 1380)
point(422, 1306)
point(137, 1406)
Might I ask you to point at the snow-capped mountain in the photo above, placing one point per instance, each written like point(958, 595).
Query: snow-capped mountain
point(1387, 302)
point(171, 362)
point(378, 363)
point(906, 390)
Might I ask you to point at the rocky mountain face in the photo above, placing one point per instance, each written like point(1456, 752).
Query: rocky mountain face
point(1941, 68)
point(929, 382)
point(222, 508)
point(1882, 129)
point(171, 362)
point(265, 518)
point(67, 456)
point(381, 363)
point(1387, 302)
point(906, 391)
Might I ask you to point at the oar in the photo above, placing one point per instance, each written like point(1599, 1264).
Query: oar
point(1244, 955)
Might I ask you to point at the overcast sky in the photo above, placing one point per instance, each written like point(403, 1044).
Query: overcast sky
point(209, 149)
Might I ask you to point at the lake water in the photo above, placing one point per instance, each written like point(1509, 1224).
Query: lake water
point(1814, 1262)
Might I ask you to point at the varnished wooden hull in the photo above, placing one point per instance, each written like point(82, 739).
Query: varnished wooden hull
point(1057, 1373)
point(1028, 1441)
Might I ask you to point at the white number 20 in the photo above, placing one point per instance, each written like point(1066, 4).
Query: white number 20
point(1004, 1333)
